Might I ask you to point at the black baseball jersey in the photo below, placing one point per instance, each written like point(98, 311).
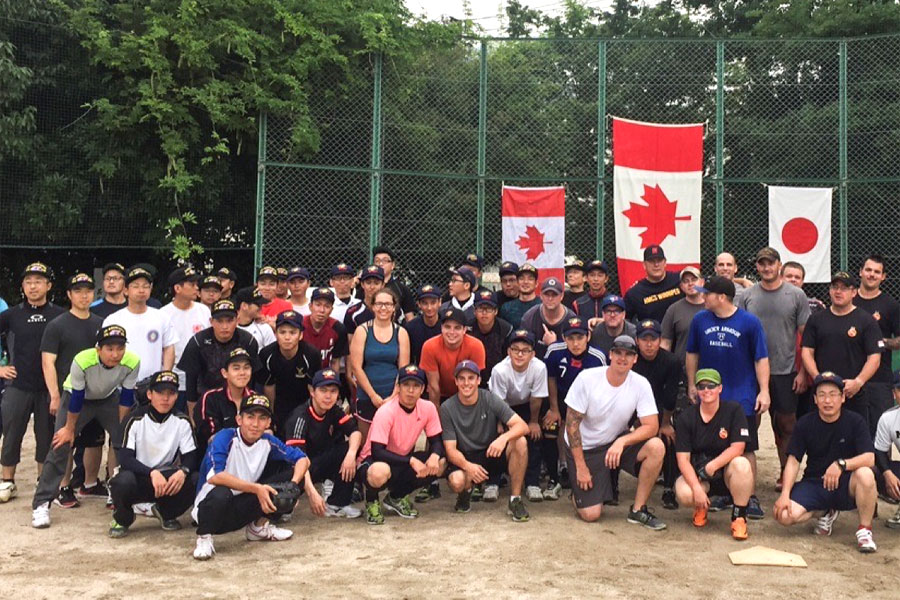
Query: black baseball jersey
point(204, 357)
point(886, 312)
point(316, 435)
point(290, 376)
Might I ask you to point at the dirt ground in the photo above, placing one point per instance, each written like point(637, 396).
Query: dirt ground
point(480, 554)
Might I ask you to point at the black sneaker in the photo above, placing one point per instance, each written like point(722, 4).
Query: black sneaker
point(646, 518)
point(357, 494)
point(166, 524)
point(669, 501)
point(516, 509)
point(463, 502)
point(720, 503)
point(754, 510)
point(478, 492)
point(66, 498)
point(98, 490)
point(432, 492)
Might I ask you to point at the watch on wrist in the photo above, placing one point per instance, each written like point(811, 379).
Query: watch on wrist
point(842, 464)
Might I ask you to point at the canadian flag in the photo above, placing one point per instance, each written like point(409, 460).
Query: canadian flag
point(800, 228)
point(657, 184)
point(534, 228)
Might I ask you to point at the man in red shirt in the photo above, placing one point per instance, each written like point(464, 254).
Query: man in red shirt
point(324, 333)
point(267, 284)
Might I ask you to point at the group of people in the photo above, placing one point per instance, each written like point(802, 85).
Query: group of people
point(362, 390)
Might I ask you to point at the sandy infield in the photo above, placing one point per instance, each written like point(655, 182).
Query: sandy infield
point(481, 554)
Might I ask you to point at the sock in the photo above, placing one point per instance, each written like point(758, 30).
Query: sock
point(738, 512)
point(371, 495)
point(511, 498)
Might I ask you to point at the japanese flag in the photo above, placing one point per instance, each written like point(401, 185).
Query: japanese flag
point(534, 228)
point(657, 183)
point(800, 228)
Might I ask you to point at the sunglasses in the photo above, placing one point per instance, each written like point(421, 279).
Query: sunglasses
point(707, 386)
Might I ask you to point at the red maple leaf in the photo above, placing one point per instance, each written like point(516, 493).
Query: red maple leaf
point(657, 217)
point(532, 243)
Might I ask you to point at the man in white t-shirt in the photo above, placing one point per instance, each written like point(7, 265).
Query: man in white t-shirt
point(187, 317)
point(601, 403)
point(521, 380)
point(150, 333)
point(298, 283)
point(248, 302)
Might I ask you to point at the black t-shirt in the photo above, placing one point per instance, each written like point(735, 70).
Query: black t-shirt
point(204, 357)
point(215, 411)
point(496, 342)
point(66, 336)
point(502, 298)
point(26, 323)
point(647, 300)
point(290, 376)
point(316, 435)
point(823, 443)
point(663, 372)
point(569, 297)
point(407, 300)
point(419, 332)
point(728, 426)
point(886, 312)
point(841, 344)
point(104, 308)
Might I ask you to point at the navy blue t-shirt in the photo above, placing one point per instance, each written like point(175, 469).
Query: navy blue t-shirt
point(823, 443)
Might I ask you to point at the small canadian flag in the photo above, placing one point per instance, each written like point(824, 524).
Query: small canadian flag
point(534, 228)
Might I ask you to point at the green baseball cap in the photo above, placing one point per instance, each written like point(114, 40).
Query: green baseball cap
point(708, 375)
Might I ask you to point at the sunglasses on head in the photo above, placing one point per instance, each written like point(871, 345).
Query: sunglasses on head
point(707, 386)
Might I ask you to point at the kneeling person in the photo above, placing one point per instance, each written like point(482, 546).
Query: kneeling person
point(152, 438)
point(235, 475)
point(709, 449)
point(475, 451)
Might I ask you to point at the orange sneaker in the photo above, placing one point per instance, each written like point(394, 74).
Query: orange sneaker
point(739, 528)
point(700, 519)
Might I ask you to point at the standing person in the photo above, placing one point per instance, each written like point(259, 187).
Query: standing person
point(324, 333)
point(575, 274)
point(298, 283)
point(26, 390)
point(612, 324)
point(602, 402)
point(250, 303)
point(650, 297)
point(795, 274)
point(424, 326)
point(210, 291)
point(371, 281)
point(887, 471)
point(588, 305)
point(512, 311)
point(492, 331)
point(521, 381)
point(733, 342)
point(844, 340)
point(228, 279)
point(677, 321)
point(378, 349)
point(462, 282)
point(342, 281)
point(218, 408)
point(267, 284)
point(886, 312)
point(386, 259)
point(113, 291)
point(150, 332)
point(474, 263)
point(839, 461)
point(187, 317)
point(509, 284)
point(281, 287)
point(287, 369)
point(440, 355)
point(66, 336)
point(783, 310)
point(546, 320)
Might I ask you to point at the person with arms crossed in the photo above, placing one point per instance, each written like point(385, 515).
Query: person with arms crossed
point(651, 296)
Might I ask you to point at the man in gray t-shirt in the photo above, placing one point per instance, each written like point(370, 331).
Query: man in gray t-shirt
point(612, 325)
point(475, 450)
point(677, 321)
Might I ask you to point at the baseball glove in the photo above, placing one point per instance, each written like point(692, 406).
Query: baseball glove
point(700, 468)
point(287, 494)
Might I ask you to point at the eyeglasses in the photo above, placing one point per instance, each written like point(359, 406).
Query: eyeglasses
point(830, 395)
point(456, 280)
point(383, 261)
point(112, 279)
point(383, 304)
point(707, 386)
point(521, 351)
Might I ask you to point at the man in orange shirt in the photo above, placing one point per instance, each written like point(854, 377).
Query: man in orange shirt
point(267, 284)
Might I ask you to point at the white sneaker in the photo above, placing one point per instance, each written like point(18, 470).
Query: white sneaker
point(552, 490)
point(491, 493)
point(267, 533)
point(865, 543)
point(40, 517)
point(348, 512)
point(8, 491)
point(143, 509)
point(825, 523)
point(327, 488)
point(534, 494)
point(204, 550)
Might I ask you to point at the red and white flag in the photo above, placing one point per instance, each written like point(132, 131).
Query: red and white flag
point(657, 184)
point(800, 228)
point(534, 228)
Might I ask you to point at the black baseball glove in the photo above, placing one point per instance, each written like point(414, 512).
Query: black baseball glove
point(286, 497)
point(700, 467)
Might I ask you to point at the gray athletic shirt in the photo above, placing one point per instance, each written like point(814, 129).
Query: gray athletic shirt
point(473, 428)
point(677, 323)
point(782, 312)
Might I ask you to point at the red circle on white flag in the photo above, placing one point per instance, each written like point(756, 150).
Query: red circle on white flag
point(799, 235)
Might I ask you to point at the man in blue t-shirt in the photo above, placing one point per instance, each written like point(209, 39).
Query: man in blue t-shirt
point(732, 341)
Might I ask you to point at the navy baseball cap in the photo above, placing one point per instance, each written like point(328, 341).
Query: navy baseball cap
point(649, 328)
point(164, 380)
point(182, 274)
point(466, 365)
point(256, 402)
point(411, 372)
point(37, 268)
point(576, 264)
point(226, 273)
point(372, 272)
point(249, 295)
point(428, 291)
point(552, 285)
point(473, 260)
point(467, 275)
point(267, 271)
point(624, 342)
point(322, 293)
point(342, 269)
point(612, 300)
point(597, 265)
point(654, 252)
point(289, 317)
point(575, 325)
point(454, 314)
point(211, 281)
point(298, 273)
point(325, 377)
point(508, 268)
point(238, 355)
point(114, 266)
point(485, 297)
point(135, 273)
point(828, 377)
point(223, 308)
point(521, 335)
point(79, 280)
point(717, 285)
point(111, 334)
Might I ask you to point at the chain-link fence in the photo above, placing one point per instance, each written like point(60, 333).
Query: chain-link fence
point(416, 160)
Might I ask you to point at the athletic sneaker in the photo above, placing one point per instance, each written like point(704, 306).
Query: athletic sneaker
point(552, 491)
point(719, 503)
point(204, 550)
point(491, 493)
point(66, 498)
point(98, 490)
point(646, 518)
point(402, 506)
point(266, 533)
point(116, 530)
point(432, 492)
point(8, 491)
point(754, 510)
point(669, 501)
point(327, 488)
point(534, 494)
point(478, 492)
point(739, 529)
point(143, 509)
point(346, 512)
point(700, 517)
point(893, 522)
point(166, 524)
point(516, 509)
point(888, 499)
point(40, 517)
point(825, 523)
point(865, 543)
point(374, 516)
point(463, 501)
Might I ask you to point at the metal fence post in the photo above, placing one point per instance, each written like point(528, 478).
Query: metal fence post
point(601, 145)
point(720, 145)
point(842, 150)
point(260, 194)
point(375, 162)
point(482, 150)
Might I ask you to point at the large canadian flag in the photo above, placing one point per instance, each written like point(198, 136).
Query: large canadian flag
point(657, 185)
point(800, 228)
point(534, 228)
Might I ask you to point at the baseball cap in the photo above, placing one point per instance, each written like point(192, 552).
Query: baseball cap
point(653, 252)
point(428, 291)
point(267, 271)
point(767, 253)
point(222, 308)
point(256, 402)
point(845, 278)
point(521, 335)
point(717, 285)
point(114, 266)
point(896, 379)
point(612, 300)
point(411, 372)
point(624, 342)
point(211, 281)
point(249, 295)
point(454, 314)
point(322, 293)
point(281, 273)
point(576, 264)
point(342, 269)
point(164, 380)
point(187, 273)
point(138, 272)
point(226, 273)
point(111, 334)
point(298, 273)
point(289, 317)
point(828, 377)
point(485, 297)
point(466, 365)
point(649, 327)
point(575, 325)
point(527, 268)
point(238, 355)
point(372, 272)
point(552, 285)
point(37, 268)
point(708, 375)
point(473, 260)
point(325, 377)
point(80, 280)
point(692, 270)
point(597, 265)
point(467, 275)
point(508, 268)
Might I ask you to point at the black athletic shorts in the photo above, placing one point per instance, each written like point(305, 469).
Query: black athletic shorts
point(602, 489)
point(781, 392)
